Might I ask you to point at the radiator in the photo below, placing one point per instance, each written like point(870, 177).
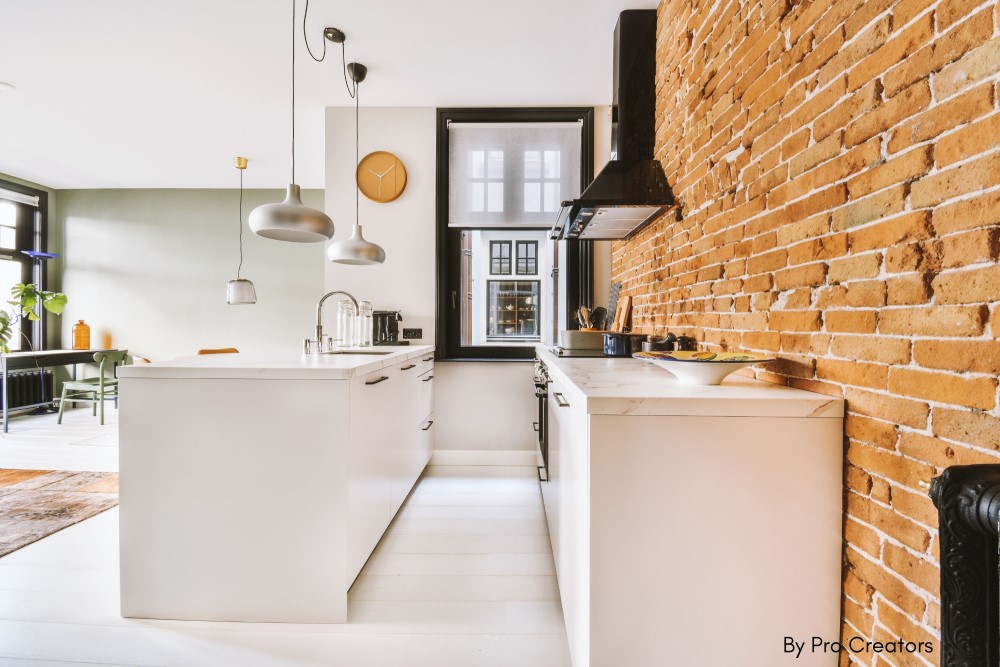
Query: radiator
point(24, 388)
point(968, 503)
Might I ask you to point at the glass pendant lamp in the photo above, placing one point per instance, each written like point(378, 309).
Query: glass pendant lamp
point(240, 291)
point(291, 220)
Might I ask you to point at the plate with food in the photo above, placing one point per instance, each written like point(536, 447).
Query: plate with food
point(706, 368)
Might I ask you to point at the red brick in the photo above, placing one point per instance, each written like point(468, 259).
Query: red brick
point(854, 373)
point(978, 64)
point(907, 103)
point(851, 321)
point(972, 392)
point(908, 290)
point(899, 169)
point(794, 320)
point(973, 139)
point(979, 211)
point(883, 350)
point(974, 428)
point(885, 203)
point(942, 117)
point(978, 356)
point(981, 285)
point(934, 321)
point(855, 267)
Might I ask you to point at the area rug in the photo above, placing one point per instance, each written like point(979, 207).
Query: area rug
point(37, 503)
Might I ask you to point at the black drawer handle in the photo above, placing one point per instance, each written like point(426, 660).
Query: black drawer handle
point(429, 359)
point(428, 427)
point(428, 378)
point(534, 425)
point(561, 400)
point(377, 380)
point(406, 368)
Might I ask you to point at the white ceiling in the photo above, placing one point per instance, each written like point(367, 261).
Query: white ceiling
point(137, 93)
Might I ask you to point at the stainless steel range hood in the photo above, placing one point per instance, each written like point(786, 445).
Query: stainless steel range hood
point(631, 190)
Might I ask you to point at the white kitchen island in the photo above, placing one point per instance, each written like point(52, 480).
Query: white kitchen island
point(692, 525)
point(254, 487)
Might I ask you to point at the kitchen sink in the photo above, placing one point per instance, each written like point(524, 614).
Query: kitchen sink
point(375, 352)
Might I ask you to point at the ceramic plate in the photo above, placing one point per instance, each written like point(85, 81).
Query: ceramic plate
point(706, 368)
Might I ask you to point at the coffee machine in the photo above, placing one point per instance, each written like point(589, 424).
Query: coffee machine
point(386, 327)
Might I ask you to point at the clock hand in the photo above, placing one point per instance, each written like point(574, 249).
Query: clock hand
point(372, 171)
point(388, 170)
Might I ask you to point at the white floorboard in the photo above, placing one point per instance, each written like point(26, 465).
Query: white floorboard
point(464, 577)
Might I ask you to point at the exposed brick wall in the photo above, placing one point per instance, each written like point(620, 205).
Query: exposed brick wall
point(839, 169)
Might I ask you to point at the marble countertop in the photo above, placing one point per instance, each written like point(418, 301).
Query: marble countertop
point(276, 365)
point(625, 386)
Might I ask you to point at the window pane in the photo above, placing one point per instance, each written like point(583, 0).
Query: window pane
point(532, 164)
point(496, 164)
point(551, 197)
point(8, 214)
point(532, 197)
point(512, 310)
point(477, 193)
point(10, 275)
point(551, 164)
point(8, 237)
point(494, 197)
point(477, 160)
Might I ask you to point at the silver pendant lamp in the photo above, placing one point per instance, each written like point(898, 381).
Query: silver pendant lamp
point(240, 291)
point(355, 250)
point(291, 220)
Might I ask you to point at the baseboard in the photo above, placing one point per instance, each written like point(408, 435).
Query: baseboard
point(474, 457)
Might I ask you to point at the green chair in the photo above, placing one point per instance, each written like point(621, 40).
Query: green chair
point(94, 390)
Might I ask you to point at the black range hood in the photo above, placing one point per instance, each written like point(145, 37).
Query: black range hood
point(632, 189)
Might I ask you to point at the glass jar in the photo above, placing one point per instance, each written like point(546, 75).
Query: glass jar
point(346, 324)
point(81, 336)
point(366, 325)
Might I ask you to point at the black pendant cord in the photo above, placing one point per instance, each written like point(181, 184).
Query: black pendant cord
point(305, 36)
point(293, 89)
point(357, 141)
point(240, 268)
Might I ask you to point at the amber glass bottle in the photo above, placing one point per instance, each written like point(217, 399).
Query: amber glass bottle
point(81, 336)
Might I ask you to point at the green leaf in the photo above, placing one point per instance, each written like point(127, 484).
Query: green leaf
point(55, 303)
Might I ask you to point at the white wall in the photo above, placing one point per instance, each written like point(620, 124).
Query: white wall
point(148, 268)
point(483, 407)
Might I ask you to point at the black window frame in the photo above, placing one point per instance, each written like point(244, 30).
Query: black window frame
point(500, 258)
point(30, 237)
point(577, 264)
point(533, 258)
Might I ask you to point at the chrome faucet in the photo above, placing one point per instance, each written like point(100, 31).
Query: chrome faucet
point(319, 318)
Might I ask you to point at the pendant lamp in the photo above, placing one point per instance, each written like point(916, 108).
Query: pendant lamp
point(355, 250)
point(291, 220)
point(240, 291)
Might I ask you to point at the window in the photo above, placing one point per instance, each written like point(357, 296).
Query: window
point(527, 258)
point(500, 258)
point(22, 227)
point(502, 177)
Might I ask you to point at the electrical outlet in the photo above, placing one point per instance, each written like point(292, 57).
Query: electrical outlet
point(410, 334)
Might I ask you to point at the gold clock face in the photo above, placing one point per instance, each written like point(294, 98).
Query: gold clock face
point(381, 176)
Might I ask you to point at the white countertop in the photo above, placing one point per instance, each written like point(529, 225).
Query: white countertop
point(625, 386)
point(277, 365)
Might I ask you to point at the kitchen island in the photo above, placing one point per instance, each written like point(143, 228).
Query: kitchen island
point(692, 525)
point(255, 486)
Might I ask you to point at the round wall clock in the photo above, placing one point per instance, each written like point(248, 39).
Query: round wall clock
point(381, 176)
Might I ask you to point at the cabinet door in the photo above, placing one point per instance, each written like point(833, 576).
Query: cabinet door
point(406, 442)
point(573, 561)
point(374, 396)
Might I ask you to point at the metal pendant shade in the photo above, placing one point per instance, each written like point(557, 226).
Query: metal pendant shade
point(291, 220)
point(355, 250)
point(240, 292)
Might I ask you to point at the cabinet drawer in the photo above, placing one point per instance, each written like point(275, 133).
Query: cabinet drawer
point(425, 396)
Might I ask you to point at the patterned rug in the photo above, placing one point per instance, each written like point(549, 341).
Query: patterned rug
point(36, 503)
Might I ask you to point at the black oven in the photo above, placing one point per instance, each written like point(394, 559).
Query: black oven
point(541, 425)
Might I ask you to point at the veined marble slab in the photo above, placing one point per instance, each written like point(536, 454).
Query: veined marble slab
point(625, 386)
point(277, 365)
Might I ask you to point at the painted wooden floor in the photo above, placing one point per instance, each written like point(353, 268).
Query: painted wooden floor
point(464, 576)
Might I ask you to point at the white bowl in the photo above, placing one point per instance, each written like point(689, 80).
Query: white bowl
point(710, 369)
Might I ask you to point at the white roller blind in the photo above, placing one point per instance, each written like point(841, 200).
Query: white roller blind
point(10, 195)
point(511, 174)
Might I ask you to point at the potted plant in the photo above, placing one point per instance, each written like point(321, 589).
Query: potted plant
point(27, 301)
